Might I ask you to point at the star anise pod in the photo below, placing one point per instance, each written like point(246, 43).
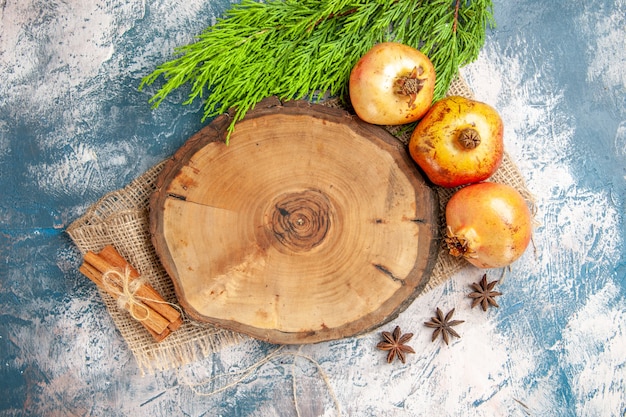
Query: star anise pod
point(442, 324)
point(484, 294)
point(395, 344)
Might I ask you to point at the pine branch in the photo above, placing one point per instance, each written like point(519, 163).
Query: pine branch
point(296, 48)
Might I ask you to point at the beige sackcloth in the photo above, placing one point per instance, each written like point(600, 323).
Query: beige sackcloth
point(120, 218)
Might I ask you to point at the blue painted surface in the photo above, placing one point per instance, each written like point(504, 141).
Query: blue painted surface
point(73, 126)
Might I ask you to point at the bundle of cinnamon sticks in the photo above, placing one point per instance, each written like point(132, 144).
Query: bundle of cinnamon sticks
point(113, 274)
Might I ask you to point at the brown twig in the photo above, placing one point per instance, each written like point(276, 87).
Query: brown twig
point(334, 15)
point(457, 5)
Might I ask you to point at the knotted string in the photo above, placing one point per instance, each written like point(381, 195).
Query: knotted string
point(124, 287)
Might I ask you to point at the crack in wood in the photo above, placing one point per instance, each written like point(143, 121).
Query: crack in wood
point(387, 272)
point(177, 196)
point(184, 198)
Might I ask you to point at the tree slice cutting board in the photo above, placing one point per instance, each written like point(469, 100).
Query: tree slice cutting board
point(310, 225)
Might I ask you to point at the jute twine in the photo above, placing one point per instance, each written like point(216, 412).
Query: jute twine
point(127, 298)
point(120, 218)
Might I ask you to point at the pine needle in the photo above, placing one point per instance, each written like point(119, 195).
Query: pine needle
point(293, 49)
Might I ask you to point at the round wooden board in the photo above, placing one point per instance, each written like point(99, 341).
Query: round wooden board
point(310, 225)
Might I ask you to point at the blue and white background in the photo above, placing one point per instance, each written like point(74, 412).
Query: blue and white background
point(73, 126)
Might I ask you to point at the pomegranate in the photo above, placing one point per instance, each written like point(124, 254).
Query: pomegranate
point(458, 142)
point(489, 224)
point(392, 84)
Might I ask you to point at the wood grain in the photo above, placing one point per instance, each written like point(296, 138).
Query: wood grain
point(311, 225)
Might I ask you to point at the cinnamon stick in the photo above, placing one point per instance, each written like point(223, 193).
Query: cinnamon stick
point(94, 267)
point(146, 292)
point(96, 277)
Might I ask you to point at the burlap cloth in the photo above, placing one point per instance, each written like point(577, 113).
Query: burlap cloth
point(120, 218)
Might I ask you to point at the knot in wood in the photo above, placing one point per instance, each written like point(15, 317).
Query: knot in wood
point(300, 220)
